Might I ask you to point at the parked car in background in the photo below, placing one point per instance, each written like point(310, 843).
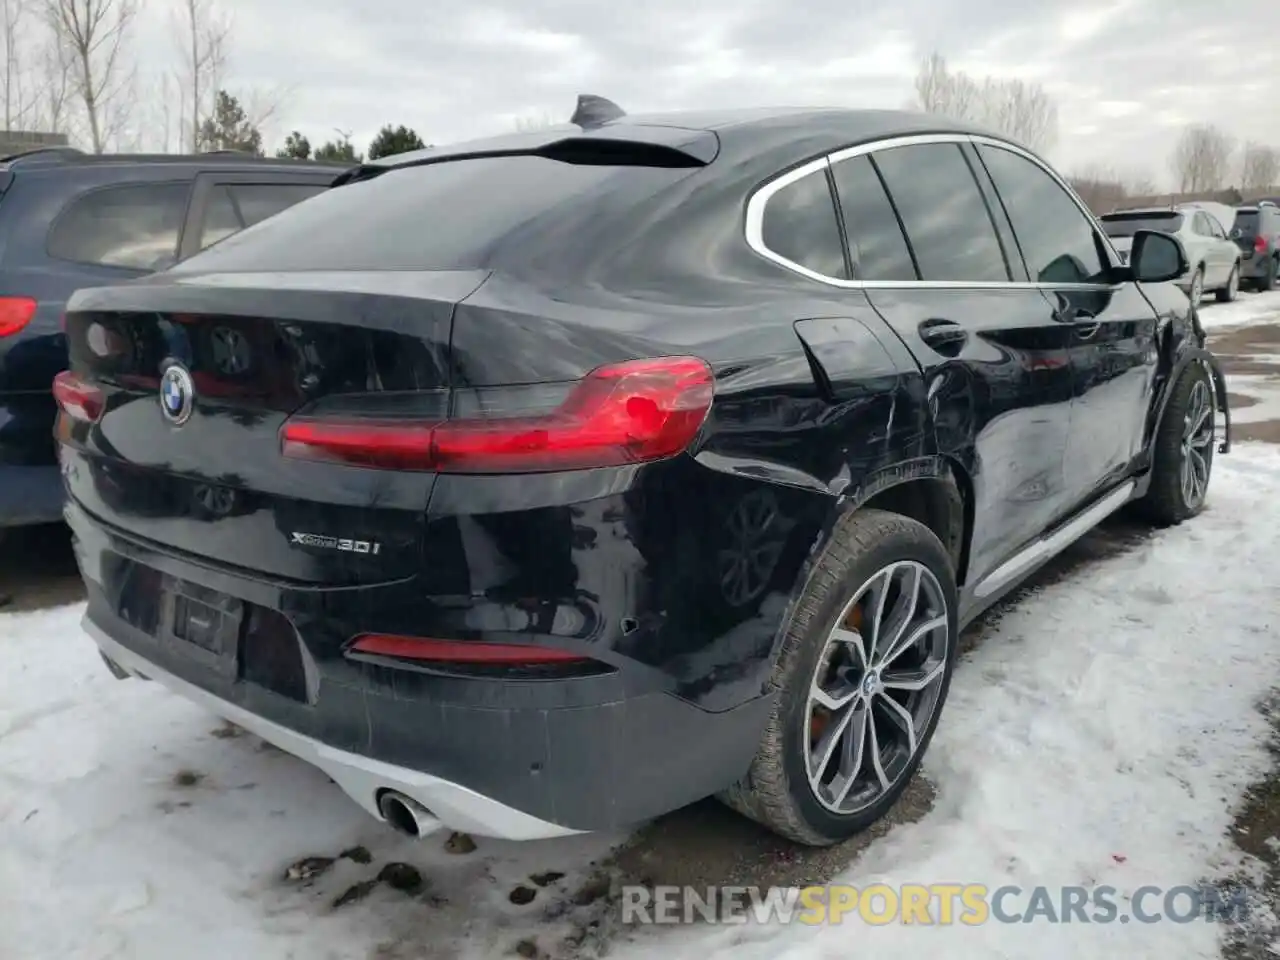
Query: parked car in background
point(576, 475)
point(1214, 258)
point(70, 220)
point(1257, 233)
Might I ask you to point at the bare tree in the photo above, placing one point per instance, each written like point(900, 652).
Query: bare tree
point(1100, 187)
point(204, 32)
point(1201, 158)
point(1021, 110)
point(1260, 167)
point(93, 35)
point(13, 21)
point(536, 121)
point(53, 70)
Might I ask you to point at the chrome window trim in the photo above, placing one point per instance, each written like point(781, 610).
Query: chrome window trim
point(759, 200)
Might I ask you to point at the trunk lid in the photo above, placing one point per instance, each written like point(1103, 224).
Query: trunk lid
point(255, 348)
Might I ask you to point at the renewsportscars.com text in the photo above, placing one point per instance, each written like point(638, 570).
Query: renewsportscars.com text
point(967, 904)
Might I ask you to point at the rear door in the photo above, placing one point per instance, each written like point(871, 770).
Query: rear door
point(1111, 328)
point(225, 203)
point(993, 355)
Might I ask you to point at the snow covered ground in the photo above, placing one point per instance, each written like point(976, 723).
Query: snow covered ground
point(1101, 733)
point(1248, 308)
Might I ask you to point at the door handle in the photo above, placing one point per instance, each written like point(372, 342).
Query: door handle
point(945, 336)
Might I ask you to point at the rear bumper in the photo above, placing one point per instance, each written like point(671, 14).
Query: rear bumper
point(361, 778)
point(1254, 267)
point(30, 495)
point(511, 759)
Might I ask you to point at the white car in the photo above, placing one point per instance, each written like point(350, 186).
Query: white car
point(1214, 259)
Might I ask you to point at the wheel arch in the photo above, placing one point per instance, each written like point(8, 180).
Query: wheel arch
point(931, 490)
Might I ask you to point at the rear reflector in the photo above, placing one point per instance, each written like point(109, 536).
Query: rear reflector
point(78, 399)
point(459, 651)
point(624, 413)
point(15, 313)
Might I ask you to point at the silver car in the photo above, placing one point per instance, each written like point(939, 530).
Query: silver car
point(1215, 259)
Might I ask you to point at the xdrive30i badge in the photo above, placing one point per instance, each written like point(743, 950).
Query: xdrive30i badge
point(371, 547)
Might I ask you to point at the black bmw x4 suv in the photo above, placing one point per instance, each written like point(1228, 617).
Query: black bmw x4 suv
point(569, 477)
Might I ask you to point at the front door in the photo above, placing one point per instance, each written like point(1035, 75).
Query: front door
point(1111, 328)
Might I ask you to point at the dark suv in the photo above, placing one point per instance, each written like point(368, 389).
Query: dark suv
point(1257, 234)
point(71, 220)
point(572, 476)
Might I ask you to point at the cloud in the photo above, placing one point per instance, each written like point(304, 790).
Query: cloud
point(1126, 74)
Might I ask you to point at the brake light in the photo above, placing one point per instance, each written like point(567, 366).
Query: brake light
point(1260, 243)
point(459, 651)
point(78, 399)
point(624, 413)
point(15, 313)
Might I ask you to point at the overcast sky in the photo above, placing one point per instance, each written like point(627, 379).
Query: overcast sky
point(1126, 74)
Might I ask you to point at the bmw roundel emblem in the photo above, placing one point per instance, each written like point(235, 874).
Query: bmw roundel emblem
point(177, 394)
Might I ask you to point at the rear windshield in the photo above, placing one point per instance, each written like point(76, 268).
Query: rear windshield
point(1247, 221)
point(451, 215)
point(1126, 224)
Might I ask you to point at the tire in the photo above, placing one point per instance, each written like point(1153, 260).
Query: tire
point(1167, 501)
point(777, 790)
point(1196, 293)
point(1228, 293)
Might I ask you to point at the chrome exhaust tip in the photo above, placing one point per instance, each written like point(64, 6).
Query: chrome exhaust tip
point(406, 815)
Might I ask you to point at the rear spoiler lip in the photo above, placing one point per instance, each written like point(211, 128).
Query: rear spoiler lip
point(273, 294)
point(699, 146)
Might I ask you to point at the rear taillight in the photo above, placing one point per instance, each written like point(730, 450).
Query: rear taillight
point(15, 313)
point(1260, 244)
point(624, 413)
point(459, 651)
point(78, 399)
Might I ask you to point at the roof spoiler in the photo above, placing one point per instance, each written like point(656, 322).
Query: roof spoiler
point(601, 141)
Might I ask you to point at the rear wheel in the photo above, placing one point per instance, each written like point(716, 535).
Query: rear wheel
point(859, 684)
point(1183, 451)
point(1232, 289)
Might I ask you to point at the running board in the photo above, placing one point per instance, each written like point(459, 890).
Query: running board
point(1043, 549)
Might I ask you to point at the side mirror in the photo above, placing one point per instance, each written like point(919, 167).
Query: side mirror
point(1157, 257)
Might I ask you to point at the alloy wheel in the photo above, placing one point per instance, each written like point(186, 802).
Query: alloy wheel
point(1197, 288)
point(876, 687)
point(1197, 438)
point(1233, 283)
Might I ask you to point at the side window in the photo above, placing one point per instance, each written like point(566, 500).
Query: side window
point(944, 214)
point(1057, 239)
point(800, 224)
point(232, 207)
point(1201, 225)
point(135, 226)
point(879, 249)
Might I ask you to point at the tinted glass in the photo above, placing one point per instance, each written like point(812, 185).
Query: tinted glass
point(1124, 224)
point(875, 236)
point(452, 215)
point(135, 226)
point(1056, 238)
point(946, 220)
point(1247, 221)
point(800, 224)
point(232, 207)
